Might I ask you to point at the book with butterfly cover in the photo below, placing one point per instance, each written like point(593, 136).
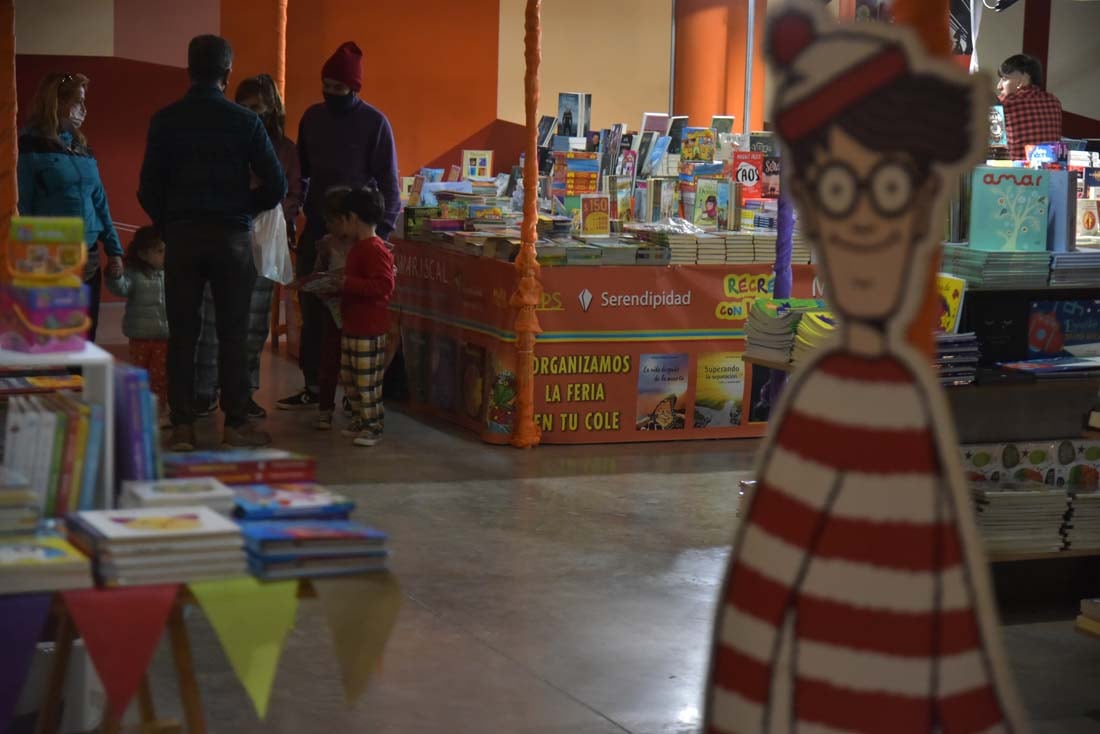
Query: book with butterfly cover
point(295, 500)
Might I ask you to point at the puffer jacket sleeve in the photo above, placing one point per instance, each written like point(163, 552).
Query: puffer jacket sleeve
point(120, 286)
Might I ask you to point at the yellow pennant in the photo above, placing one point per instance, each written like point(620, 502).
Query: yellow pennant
point(251, 619)
point(361, 612)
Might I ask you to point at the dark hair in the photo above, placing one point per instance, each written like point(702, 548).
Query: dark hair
point(921, 115)
point(332, 206)
point(209, 59)
point(263, 86)
point(145, 239)
point(1025, 64)
point(366, 203)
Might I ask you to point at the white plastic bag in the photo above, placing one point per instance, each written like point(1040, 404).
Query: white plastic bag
point(270, 250)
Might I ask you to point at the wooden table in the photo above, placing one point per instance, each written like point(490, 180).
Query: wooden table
point(194, 718)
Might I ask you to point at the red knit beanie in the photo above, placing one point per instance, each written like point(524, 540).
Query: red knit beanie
point(345, 66)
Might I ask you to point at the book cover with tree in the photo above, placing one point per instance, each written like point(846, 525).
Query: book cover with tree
point(1009, 209)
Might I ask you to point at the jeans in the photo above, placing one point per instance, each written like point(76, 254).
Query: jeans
point(201, 252)
point(313, 312)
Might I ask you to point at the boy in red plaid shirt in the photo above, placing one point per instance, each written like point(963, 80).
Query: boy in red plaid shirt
point(1032, 114)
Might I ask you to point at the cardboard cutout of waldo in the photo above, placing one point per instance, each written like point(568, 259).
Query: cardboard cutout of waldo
point(857, 596)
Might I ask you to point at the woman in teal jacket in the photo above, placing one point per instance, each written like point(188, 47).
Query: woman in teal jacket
point(58, 176)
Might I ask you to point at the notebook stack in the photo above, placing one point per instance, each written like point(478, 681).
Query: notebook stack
point(984, 269)
point(1082, 527)
point(770, 328)
point(312, 548)
point(205, 491)
point(301, 501)
point(154, 545)
point(739, 248)
point(957, 357)
point(20, 507)
point(711, 249)
point(814, 330)
point(1080, 268)
point(1023, 517)
point(41, 562)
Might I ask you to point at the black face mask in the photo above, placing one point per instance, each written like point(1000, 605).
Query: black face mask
point(339, 102)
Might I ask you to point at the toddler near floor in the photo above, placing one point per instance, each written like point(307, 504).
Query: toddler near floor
point(145, 322)
point(367, 286)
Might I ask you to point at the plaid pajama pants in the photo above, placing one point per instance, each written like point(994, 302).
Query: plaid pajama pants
point(206, 353)
point(362, 364)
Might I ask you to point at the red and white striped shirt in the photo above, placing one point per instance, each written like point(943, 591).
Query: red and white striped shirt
point(847, 605)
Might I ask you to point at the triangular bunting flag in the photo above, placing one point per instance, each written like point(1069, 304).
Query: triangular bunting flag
point(251, 620)
point(121, 628)
point(21, 620)
point(361, 612)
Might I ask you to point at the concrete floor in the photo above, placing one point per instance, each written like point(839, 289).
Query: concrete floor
point(560, 590)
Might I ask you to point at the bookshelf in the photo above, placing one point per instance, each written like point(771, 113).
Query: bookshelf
point(98, 370)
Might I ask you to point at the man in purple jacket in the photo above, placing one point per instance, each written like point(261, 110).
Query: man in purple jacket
point(341, 142)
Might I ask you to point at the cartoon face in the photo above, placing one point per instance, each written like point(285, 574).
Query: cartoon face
point(867, 211)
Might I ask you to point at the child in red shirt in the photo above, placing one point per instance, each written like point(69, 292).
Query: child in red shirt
point(369, 279)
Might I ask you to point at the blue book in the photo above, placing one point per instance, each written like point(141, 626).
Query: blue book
point(1062, 221)
point(1009, 209)
point(297, 568)
point(656, 153)
point(310, 539)
point(289, 501)
point(92, 459)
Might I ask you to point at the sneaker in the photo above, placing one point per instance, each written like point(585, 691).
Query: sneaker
point(182, 438)
point(245, 437)
point(353, 429)
point(324, 422)
point(206, 406)
point(367, 438)
point(298, 401)
point(255, 410)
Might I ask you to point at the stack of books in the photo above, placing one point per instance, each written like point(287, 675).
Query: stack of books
point(137, 443)
point(801, 252)
point(814, 330)
point(616, 251)
point(653, 255)
point(1082, 527)
point(20, 508)
point(302, 501)
point(1088, 621)
point(312, 548)
point(578, 253)
point(1024, 517)
point(684, 248)
point(739, 248)
point(711, 250)
point(957, 357)
point(764, 245)
point(41, 562)
point(984, 269)
point(55, 441)
point(205, 491)
point(154, 545)
point(770, 328)
point(1056, 368)
point(242, 467)
point(1080, 268)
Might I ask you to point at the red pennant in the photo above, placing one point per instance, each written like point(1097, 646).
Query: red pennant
point(121, 628)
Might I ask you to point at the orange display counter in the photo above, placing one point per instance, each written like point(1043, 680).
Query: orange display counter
point(640, 353)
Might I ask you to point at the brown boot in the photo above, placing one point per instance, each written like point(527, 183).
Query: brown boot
point(182, 438)
point(245, 437)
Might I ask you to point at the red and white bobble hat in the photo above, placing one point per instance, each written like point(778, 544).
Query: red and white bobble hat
point(825, 67)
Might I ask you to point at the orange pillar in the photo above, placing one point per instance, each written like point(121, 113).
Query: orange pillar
point(280, 47)
point(9, 193)
point(525, 300)
point(709, 75)
point(252, 28)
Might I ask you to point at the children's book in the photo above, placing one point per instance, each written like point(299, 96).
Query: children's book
point(41, 562)
point(282, 501)
point(722, 124)
point(662, 392)
point(697, 144)
point(574, 114)
point(770, 176)
point(998, 130)
point(655, 122)
point(711, 204)
point(477, 163)
point(547, 123)
point(764, 141)
point(657, 153)
point(595, 215)
point(1088, 218)
point(138, 525)
point(1009, 209)
point(1059, 328)
point(205, 491)
point(242, 467)
point(1054, 366)
point(675, 132)
point(748, 171)
point(316, 567)
point(304, 538)
point(952, 291)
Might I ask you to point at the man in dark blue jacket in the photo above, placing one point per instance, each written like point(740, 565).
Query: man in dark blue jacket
point(195, 185)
